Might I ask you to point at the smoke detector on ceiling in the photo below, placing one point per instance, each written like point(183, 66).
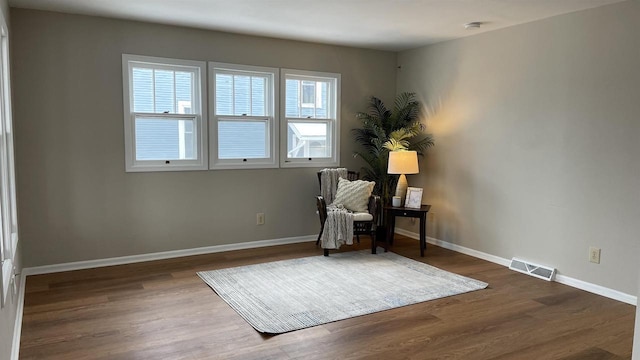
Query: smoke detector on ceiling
point(473, 25)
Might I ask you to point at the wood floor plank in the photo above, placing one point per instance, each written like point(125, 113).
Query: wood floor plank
point(162, 310)
point(593, 354)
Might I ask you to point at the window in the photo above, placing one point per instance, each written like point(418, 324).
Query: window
point(163, 114)
point(166, 128)
point(311, 125)
point(243, 116)
point(8, 218)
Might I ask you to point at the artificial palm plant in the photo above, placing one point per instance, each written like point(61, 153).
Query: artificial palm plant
point(385, 130)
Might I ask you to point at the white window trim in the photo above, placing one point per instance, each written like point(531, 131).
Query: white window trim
point(334, 128)
point(9, 233)
point(199, 107)
point(273, 119)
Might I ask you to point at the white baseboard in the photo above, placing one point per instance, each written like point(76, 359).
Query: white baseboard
point(78, 265)
point(17, 327)
point(562, 279)
point(597, 289)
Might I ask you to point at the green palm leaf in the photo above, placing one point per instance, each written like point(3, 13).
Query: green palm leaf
point(385, 130)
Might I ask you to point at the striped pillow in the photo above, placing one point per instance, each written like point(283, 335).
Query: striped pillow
point(353, 195)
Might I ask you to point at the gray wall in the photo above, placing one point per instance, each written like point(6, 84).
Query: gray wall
point(75, 199)
point(537, 141)
point(9, 312)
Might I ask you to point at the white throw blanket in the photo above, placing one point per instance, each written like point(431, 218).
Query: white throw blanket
point(338, 228)
point(329, 182)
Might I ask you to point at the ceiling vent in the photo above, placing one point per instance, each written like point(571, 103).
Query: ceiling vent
point(539, 271)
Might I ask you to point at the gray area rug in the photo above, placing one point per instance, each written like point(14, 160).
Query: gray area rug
point(288, 295)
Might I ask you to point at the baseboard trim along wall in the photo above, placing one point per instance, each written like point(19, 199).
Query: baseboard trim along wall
point(562, 279)
point(89, 264)
point(79, 265)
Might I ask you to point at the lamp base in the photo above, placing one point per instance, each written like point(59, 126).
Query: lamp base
point(401, 188)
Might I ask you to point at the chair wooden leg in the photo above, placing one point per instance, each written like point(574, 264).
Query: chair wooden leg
point(358, 238)
point(319, 236)
point(326, 252)
point(374, 244)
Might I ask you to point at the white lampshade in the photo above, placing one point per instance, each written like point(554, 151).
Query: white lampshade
point(403, 162)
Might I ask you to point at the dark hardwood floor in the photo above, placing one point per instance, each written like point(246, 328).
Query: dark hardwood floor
point(162, 310)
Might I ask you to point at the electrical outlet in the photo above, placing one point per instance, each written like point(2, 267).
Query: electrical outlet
point(594, 255)
point(260, 219)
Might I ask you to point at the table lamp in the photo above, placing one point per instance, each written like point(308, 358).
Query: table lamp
point(402, 162)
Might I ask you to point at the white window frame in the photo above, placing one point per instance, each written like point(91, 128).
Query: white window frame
point(9, 218)
point(332, 121)
point(199, 108)
point(272, 159)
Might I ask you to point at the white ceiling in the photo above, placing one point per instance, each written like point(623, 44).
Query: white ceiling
point(378, 24)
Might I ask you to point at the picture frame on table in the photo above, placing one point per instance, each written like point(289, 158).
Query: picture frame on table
point(414, 198)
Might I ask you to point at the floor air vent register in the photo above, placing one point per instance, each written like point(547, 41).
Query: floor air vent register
point(539, 271)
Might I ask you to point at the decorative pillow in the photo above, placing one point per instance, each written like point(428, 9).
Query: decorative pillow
point(353, 195)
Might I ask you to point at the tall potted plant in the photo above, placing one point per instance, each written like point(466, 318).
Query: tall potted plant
point(385, 130)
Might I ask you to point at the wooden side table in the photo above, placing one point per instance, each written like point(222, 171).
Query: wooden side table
point(421, 213)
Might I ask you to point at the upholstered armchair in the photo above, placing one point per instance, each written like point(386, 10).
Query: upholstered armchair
point(351, 194)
